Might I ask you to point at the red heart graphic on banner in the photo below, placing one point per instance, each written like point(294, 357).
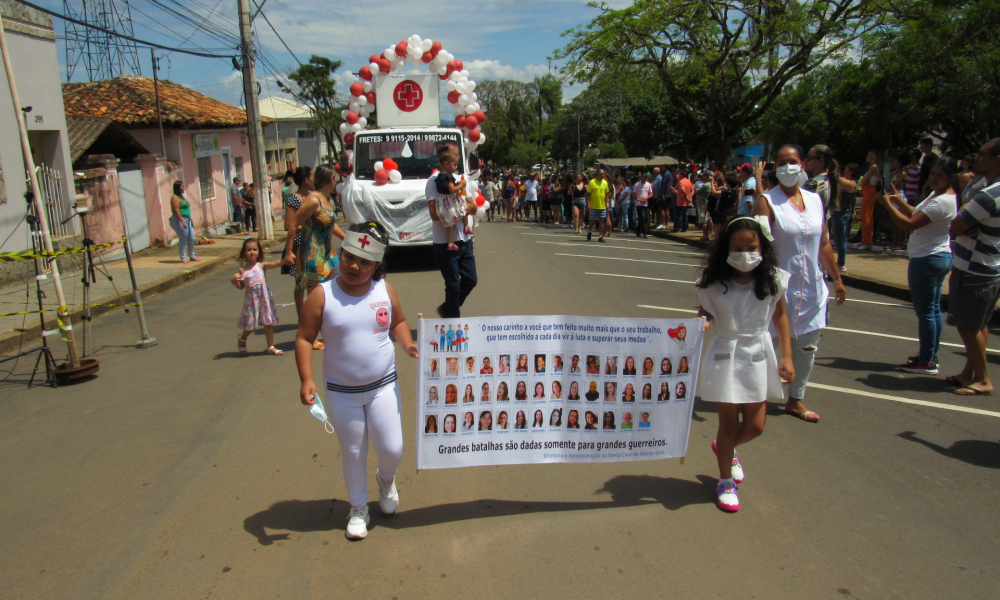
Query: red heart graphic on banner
point(673, 333)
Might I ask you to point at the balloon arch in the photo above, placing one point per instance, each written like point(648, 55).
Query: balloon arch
point(461, 89)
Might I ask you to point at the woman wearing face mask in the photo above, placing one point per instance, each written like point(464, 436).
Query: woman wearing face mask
point(802, 246)
point(929, 249)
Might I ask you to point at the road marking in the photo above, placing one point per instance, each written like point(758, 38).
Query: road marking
point(683, 310)
point(965, 409)
point(638, 277)
point(656, 262)
point(622, 238)
point(577, 244)
point(874, 302)
point(842, 330)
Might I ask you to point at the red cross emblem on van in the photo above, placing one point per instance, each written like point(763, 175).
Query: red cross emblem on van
point(408, 96)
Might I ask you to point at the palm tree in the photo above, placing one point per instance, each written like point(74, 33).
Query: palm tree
point(519, 117)
point(546, 96)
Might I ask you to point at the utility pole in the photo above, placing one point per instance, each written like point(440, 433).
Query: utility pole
point(156, 87)
point(40, 210)
point(254, 131)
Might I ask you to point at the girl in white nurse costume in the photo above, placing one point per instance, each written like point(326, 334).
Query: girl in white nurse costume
point(741, 291)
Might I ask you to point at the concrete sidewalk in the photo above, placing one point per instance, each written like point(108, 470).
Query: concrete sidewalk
point(878, 272)
point(157, 270)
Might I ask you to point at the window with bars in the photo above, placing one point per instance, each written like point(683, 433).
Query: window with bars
point(205, 178)
point(239, 167)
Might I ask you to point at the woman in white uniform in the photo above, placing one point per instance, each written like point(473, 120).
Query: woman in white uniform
point(802, 246)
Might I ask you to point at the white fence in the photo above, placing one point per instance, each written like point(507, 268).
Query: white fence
point(50, 183)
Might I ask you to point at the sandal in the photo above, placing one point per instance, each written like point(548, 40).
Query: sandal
point(241, 344)
point(274, 351)
point(806, 415)
point(318, 345)
point(954, 381)
point(966, 390)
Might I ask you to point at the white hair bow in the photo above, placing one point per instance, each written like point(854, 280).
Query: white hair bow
point(762, 221)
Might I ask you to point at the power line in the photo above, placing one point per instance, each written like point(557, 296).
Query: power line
point(268, 21)
point(120, 35)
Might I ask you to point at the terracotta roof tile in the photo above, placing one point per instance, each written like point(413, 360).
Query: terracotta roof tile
point(131, 100)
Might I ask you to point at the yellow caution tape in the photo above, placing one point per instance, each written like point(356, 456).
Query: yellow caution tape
point(35, 312)
point(29, 255)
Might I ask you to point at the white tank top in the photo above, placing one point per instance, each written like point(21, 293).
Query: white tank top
point(359, 356)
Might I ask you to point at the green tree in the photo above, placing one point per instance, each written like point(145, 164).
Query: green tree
point(546, 96)
point(723, 62)
point(525, 155)
point(316, 88)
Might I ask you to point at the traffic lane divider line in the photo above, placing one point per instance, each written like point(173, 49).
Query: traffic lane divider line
point(874, 302)
point(655, 262)
point(639, 277)
point(840, 329)
point(623, 238)
point(954, 407)
point(623, 248)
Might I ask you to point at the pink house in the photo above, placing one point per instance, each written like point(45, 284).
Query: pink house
point(204, 145)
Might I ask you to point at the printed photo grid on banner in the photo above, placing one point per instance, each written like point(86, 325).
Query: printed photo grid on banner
point(547, 389)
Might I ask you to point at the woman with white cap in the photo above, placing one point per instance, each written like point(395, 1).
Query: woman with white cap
point(360, 310)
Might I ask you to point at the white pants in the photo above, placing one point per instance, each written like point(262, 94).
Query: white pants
point(354, 416)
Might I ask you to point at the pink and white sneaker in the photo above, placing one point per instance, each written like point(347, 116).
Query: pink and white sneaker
point(727, 498)
point(737, 467)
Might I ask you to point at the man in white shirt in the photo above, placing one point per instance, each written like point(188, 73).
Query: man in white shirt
point(642, 192)
point(457, 268)
point(531, 196)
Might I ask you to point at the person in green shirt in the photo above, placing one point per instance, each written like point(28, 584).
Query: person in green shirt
point(180, 221)
point(598, 191)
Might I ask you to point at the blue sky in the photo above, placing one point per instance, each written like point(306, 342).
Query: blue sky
point(506, 39)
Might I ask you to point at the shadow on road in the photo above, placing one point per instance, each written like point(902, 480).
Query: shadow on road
point(625, 491)
point(852, 364)
point(904, 383)
point(975, 452)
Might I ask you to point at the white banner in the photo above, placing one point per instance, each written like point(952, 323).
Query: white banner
point(545, 389)
point(408, 100)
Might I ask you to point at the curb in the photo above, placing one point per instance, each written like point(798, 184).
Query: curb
point(10, 342)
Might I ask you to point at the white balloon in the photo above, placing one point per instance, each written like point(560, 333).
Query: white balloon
point(354, 106)
point(340, 188)
point(481, 212)
point(390, 53)
point(374, 68)
point(455, 76)
point(442, 71)
point(344, 128)
point(463, 100)
point(465, 73)
point(473, 96)
point(470, 87)
point(459, 87)
point(362, 100)
point(395, 176)
point(343, 113)
point(378, 165)
point(414, 40)
point(463, 80)
point(367, 86)
point(398, 64)
point(426, 45)
point(482, 139)
point(363, 122)
point(470, 109)
point(350, 154)
point(450, 85)
point(486, 205)
point(356, 127)
point(449, 56)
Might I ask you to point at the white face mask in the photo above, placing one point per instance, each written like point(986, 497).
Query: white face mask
point(319, 412)
point(744, 261)
point(788, 175)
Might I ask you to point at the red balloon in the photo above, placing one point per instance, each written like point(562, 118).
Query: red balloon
point(459, 120)
point(444, 77)
point(357, 89)
point(384, 66)
point(390, 164)
point(348, 140)
point(371, 98)
point(351, 118)
point(427, 58)
point(381, 176)
point(374, 58)
point(480, 116)
point(365, 73)
point(435, 48)
point(474, 135)
point(471, 122)
point(401, 49)
point(382, 56)
point(336, 166)
point(453, 96)
point(480, 200)
point(458, 65)
point(453, 66)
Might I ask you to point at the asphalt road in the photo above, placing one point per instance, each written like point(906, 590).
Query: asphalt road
point(188, 471)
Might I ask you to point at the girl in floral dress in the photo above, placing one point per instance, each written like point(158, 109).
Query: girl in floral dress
point(258, 303)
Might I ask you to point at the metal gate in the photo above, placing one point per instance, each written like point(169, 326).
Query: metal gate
point(134, 207)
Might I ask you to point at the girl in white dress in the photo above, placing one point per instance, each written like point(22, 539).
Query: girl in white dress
point(742, 290)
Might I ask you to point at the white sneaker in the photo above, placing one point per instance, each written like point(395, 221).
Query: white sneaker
point(357, 523)
point(737, 469)
point(388, 496)
point(661, 226)
point(854, 246)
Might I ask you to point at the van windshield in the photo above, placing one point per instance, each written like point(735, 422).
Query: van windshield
point(413, 152)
